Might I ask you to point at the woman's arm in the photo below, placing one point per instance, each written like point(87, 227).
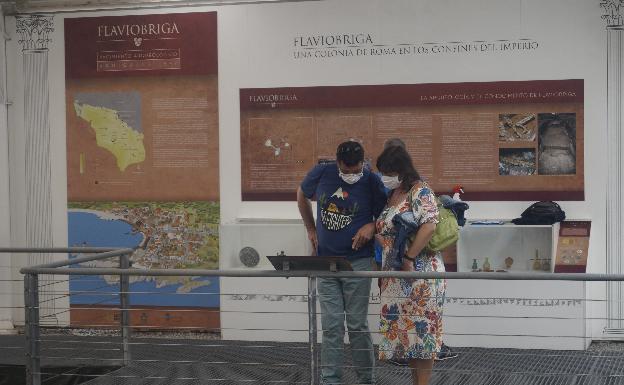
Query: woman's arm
point(423, 235)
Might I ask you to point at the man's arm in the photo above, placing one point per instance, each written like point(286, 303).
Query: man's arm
point(378, 202)
point(305, 209)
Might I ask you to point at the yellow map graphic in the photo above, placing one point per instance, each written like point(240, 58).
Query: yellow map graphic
point(113, 134)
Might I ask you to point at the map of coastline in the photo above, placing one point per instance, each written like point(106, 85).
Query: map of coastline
point(173, 235)
point(113, 134)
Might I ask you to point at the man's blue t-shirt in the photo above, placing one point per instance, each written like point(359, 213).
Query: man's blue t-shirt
point(342, 209)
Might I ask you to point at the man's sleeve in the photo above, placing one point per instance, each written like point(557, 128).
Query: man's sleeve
point(379, 195)
point(311, 181)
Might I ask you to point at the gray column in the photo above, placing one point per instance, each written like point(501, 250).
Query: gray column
point(613, 15)
point(34, 31)
point(6, 300)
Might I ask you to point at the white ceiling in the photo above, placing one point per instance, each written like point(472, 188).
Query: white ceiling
point(47, 6)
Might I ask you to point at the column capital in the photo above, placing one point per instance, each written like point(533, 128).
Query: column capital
point(34, 31)
point(613, 13)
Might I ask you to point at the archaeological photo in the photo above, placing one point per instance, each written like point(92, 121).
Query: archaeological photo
point(516, 161)
point(557, 144)
point(517, 127)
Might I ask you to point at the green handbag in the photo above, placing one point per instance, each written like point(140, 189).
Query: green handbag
point(446, 232)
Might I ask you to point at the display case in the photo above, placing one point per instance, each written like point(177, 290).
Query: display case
point(501, 246)
point(522, 314)
point(276, 308)
point(477, 313)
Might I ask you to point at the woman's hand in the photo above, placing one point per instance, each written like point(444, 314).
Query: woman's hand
point(408, 265)
point(423, 235)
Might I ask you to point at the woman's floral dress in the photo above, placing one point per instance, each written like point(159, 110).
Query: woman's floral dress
point(411, 312)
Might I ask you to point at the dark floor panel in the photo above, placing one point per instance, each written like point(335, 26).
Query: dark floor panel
point(162, 361)
point(16, 375)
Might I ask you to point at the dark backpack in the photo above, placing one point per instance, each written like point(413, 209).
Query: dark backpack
point(541, 213)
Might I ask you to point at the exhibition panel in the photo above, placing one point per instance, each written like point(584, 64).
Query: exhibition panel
point(143, 158)
point(500, 140)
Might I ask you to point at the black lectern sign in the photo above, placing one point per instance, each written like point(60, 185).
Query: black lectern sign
point(311, 263)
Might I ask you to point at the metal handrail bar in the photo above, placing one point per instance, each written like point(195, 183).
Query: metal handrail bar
point(97, 254)
point(107, 252)
point(88, 258)
point(57, 250)
point(323, 274)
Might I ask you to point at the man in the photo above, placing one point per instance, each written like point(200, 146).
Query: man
point(349, 198)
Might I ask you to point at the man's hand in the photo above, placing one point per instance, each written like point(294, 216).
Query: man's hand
point(312, 237)
point(364, 234)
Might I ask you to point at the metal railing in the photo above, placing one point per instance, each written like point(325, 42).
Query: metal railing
point(32, 305)
point(31, 298)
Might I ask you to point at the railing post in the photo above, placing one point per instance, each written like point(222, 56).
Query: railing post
point(31, 316)
point(124, 302)
point(312, 330)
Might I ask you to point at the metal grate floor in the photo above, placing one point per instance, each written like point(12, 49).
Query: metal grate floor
point(289, 363)
point(157, 361)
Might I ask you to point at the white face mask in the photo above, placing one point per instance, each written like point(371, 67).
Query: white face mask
point(391, 182)
point(351, 178)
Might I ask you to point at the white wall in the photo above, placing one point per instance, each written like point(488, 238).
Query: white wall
point(571, 37)
point(263, 59)
point(255, 50)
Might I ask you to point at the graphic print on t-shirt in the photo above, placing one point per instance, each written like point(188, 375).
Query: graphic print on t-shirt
point(336, 211)
point(340, 194)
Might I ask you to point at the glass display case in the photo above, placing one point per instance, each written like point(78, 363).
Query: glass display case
point(501, 246)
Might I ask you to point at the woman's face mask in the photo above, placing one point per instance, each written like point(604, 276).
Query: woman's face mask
point(391, 182)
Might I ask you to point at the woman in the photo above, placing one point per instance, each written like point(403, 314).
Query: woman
point(411, 315)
